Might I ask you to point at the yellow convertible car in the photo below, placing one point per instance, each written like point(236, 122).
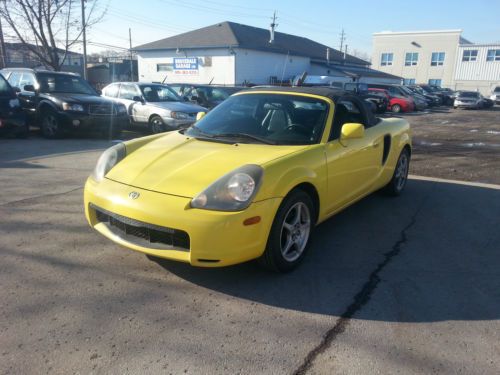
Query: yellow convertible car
point(249, 180)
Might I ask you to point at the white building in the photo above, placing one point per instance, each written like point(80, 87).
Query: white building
point(478, 68)
point(440, 57)
point(418, 56)
point(230, 53)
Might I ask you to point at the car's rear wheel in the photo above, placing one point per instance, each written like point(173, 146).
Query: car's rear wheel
point(51, 127)
point(156, 125)
point(290, 233)
point(398, 182)
point(396, 108)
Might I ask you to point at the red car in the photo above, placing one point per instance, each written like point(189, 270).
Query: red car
point(396, 103)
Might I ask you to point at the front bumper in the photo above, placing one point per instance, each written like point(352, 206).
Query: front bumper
point(465, 104)
point(178, 124)
point(216, 238)
point(77, 121)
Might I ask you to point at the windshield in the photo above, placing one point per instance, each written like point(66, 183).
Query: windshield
point(468, 95)
point(265, 118)
point(159, 93)
point(64, 83)
point(497, 89)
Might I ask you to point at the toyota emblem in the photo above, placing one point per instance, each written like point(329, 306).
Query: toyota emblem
point(134, 195)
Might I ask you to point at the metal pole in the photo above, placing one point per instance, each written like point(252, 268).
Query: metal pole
point(131, 65)
point(2, 46)
point(84, 26)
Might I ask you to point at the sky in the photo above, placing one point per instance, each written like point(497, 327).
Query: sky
point(321, 20)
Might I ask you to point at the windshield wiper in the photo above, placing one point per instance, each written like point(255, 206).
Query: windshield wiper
point(201, 132)
point(245, 135)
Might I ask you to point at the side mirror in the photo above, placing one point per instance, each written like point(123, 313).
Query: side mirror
point(200, 115)
point(29, 88)
point(352, 130)
point(137, 98)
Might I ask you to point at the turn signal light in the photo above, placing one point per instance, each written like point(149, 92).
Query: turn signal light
point(252, 220)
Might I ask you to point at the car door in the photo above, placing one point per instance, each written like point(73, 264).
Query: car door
point(353, 165)
point(126, 96)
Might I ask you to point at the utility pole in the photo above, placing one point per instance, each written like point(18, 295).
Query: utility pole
point(84, 26)
point(345, 52)
point(130, 50)
point(2, 46)
point(273, 26)
point(342, 39)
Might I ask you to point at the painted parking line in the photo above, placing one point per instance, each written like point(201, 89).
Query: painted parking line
point(456, 182)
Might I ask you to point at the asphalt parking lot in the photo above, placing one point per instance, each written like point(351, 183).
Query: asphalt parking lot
point(407, 285)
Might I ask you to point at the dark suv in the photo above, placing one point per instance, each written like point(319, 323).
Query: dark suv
point(63, 102)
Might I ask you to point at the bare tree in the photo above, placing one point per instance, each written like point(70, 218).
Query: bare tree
point(48, 28)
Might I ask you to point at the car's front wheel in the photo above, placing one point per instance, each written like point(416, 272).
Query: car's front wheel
point(156, 125)
point(290, 233)
point(51, 127)
point(400, 175)
point(396, 108)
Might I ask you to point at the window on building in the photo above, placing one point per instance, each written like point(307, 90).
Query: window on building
point(437, 58)
point(164, 67)
point(493, 55)
point(435, 82)
point(408, 81)
point(411, 58)
point(386, 59)
point(469, 55)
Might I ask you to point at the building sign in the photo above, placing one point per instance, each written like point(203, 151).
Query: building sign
point(186, 66)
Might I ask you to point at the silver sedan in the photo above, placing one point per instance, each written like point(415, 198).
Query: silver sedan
point(153, 106)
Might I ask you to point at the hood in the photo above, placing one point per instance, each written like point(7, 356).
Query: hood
point(179, 106)
point(179, 165)
point(80, 98)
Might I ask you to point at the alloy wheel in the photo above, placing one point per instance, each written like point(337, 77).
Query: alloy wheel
point(295, 231)
point(401, 171)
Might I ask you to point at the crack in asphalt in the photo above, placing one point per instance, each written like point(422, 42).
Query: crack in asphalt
point(39, 196)
point(360, 299)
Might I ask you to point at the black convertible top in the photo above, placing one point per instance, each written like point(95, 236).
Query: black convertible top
point(328, 92)
point(332, 93)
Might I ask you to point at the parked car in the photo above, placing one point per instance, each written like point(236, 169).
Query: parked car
point(12, 117)
point(432, 100)
point(207, 96)
point(395, 91)
point(303, 154)
point(495, 95)
point(378, 101)
point(153, 107)
point(397, 103)
point(60, 102)
point(445, 93)
point(469, 99)
point(421, 102)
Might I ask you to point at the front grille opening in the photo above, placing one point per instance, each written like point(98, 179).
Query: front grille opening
point(143, 232)
point(208, 260)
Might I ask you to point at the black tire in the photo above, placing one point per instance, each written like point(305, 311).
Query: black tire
point(400, 176)
point(297, 203)
point(396, 108)
point(156, 125)
point(50, 124)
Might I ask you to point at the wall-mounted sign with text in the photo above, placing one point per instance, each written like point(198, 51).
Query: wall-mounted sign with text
point(186, 65)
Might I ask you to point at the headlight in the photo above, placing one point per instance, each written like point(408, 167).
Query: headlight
point(179, 115)
point(72, 107)
point(232, 192)
point(108, 160)
point(13, 103)
point(121, 109)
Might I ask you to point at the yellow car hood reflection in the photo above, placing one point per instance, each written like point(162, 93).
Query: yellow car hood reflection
point(184, 166)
